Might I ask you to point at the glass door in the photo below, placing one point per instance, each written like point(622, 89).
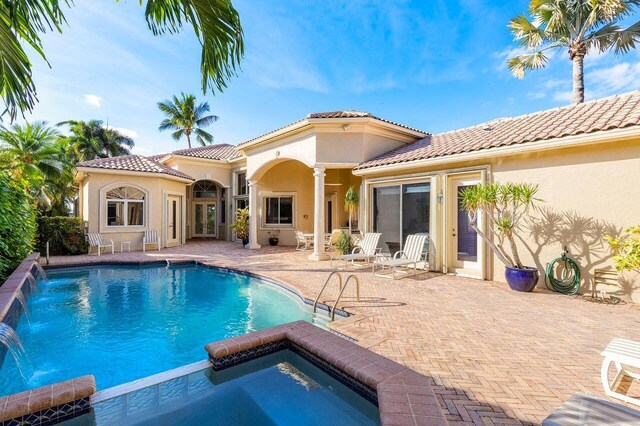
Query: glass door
point(174, 220)
point(464, 256)
point(204, 219)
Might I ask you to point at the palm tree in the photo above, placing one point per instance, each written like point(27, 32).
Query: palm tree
point(184, 117)
point(28, 153)
point(351, 203)
point(22, 22)
point(91, 140)
point(576, 25)
point(63, 190)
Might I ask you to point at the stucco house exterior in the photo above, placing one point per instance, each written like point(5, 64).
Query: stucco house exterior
point(585, 159)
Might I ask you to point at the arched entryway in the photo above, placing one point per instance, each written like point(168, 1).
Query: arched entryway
point(208, 210)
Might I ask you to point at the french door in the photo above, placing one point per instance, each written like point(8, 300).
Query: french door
point(174, 220)
point(204, 219)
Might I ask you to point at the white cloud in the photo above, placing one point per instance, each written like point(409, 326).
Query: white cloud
point(618, 78)
point(563, 96)
point(535, 95)
point(126, 132)
point(93, 100)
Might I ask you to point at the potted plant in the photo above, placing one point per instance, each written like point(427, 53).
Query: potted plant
point(241, 225)
point(351, 203)
point(344, 243)
point(273, 237)
point(504, 206)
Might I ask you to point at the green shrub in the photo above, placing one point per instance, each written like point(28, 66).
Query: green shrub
point(344, 244)
point(17, 224)
point(626, 250)
point(65, 235)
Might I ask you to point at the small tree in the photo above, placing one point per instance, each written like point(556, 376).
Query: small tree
point(241, 225)
point(351, 203)
point(626, 250)
point(504, 206)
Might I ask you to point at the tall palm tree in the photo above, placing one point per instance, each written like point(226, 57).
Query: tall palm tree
point(28, 152)
point(63, 190)
point(184, 117)
point(22, 22)
point(575, 25)
point(91, 140)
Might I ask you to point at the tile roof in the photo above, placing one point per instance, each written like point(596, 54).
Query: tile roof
point(211, 152)
point(330, 115)
point(603, 114)
point(133, 163)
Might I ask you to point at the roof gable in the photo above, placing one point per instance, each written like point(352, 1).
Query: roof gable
point(133, 163)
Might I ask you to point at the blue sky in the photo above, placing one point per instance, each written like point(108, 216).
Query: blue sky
point(435, 65)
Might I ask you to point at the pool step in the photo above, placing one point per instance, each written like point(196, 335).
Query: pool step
point(321, 319)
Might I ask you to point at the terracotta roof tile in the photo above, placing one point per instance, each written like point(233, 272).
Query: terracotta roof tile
point(211, 152)
point(604, 114)
point(330, 115)
point(133, 163)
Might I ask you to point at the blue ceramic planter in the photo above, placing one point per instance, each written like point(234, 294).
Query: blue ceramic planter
point(522, 279)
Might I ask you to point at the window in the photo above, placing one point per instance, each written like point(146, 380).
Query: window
point(125, 206)
point(205, 189)
point(278, 210)
point(242, 184)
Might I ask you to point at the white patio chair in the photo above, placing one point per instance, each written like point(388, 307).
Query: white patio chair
point(365, 252)
point(582, 409)
point(414, 252)
point(96, 240)
point(332, 239)
point(150, 237)
point(303, 243)
point(622, 353)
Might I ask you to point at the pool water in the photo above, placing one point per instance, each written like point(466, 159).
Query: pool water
point(127, 322)
point(279, 389)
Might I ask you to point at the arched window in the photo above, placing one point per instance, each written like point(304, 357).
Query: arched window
point(204, 189)
point(125, 206)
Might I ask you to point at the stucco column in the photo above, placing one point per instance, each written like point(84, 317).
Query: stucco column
point(253, 214)
point(318, 216)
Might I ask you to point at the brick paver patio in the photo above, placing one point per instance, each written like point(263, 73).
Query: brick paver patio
point(495, 356)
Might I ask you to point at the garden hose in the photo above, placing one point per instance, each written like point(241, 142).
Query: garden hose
point(569, 282)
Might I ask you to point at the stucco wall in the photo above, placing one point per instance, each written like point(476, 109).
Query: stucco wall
point(203, 169)
point(94, 211)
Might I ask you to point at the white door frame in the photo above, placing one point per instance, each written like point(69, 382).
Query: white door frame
point(165, 212)
point(333, 197)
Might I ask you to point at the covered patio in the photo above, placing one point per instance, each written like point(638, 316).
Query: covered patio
point(495, 356)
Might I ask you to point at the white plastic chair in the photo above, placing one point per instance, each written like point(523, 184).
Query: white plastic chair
point(150, 237)
point(365, 252)
point(622, 353)
point(303, 243)
point(96, 240)
point(414, 252)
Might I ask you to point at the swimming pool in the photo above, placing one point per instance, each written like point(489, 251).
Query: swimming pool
point(122, 323)
point(278, 389)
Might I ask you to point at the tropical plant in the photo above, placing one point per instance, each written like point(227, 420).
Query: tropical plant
point(62, 190)
point(28, 153)
point(580, 26)
point(344, 244)
point(90, 140)
point(504, 206)
point(17, 224)
point(65, 235)
point(215, 22)
point(626, 250)
point(184, 117)
point(241, 225)
point(351, 203)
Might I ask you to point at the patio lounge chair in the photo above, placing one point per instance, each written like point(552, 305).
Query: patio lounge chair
point(414, 252)
point(622, 353)
point(150, 237)
point(96, 240)
point(303, 242)
point(332, 239)
point(365, 252)
point(583, 409)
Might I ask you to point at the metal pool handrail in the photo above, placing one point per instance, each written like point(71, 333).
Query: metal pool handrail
point(333, 311)
point(315, 303)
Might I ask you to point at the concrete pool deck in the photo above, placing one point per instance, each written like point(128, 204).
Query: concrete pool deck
point(494, 356)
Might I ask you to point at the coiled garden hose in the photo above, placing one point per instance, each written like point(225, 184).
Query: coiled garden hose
point(569, 282)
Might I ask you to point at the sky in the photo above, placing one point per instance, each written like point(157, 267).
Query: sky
point(435, 65)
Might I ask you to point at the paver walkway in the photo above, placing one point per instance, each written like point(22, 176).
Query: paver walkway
point(495, 356)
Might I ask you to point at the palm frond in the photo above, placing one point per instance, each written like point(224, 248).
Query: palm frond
point(531, 61)
point(203, 137)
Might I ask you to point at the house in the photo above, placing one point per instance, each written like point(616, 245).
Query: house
point(585, 159)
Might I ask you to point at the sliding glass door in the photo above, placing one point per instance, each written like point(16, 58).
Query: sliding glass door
point(399, 211)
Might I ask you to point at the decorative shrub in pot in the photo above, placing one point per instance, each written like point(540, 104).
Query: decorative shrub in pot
point(273, 237)
point(504, 206)
point(241, 225)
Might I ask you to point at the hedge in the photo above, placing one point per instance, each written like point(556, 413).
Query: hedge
point(17, 225)
point(65, 235)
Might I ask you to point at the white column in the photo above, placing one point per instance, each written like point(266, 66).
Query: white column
point(318, 216)
point(253, 214)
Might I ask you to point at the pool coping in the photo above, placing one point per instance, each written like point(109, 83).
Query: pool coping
point(403, 396)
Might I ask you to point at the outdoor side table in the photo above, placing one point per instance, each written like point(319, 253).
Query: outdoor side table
point(124, 244)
